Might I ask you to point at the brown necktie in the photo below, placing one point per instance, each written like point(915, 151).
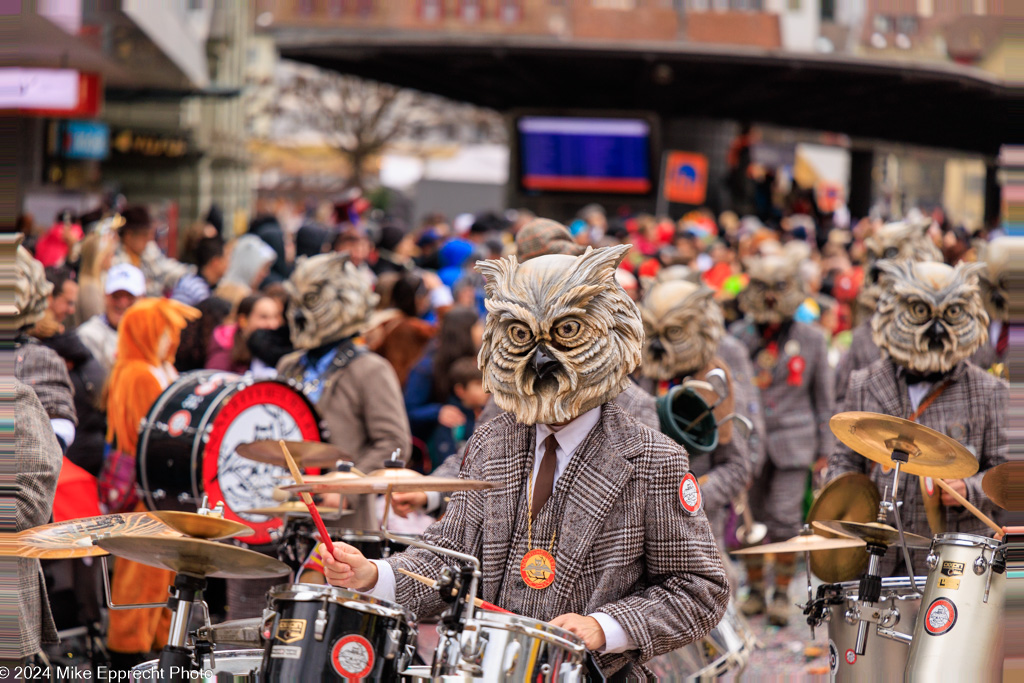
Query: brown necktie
point(545, 476)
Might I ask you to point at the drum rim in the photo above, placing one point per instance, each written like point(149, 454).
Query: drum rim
point(314, 592)
point(541, 630)
point(960, 538)
point(218, 654)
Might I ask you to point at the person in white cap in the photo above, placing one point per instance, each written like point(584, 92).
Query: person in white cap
point(125, 284)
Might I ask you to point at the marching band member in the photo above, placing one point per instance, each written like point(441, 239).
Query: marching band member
point(929, 321)
point(597, 526)
point(791, 370)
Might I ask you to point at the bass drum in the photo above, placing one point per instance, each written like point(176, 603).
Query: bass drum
point(187, 444)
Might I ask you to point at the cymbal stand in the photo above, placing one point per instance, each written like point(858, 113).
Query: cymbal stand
point(807, 531)
point(177, 658)
point(899, 458)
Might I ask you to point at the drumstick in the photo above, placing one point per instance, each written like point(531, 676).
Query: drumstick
point(482, 604)
point(973, 510)
point(308, 500)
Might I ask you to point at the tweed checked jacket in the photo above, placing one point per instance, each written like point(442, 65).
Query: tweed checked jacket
point(972, 410)
point(795, 417)
point(38, 460)
point(46, 373)
point(624, 546)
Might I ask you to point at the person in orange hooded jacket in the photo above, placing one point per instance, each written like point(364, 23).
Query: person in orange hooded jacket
point(148, 338)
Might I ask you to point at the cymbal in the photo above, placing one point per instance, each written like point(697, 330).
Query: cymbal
point(876, 436)
point(296, 508)
point(1004, 485)
point(803, 543)
point(400, 481)
point(305, 453)
point(850, 497)
point(873, 532)
point(73, 538)
point(194, 556)
point(331, 476)
point(202, 526)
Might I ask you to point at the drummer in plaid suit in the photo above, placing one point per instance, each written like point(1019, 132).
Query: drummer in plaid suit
point(626, 556)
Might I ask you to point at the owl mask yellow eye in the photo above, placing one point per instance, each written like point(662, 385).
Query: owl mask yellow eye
point(954, 313)
point(921, 310)
point(567, 331)
point(519, 335)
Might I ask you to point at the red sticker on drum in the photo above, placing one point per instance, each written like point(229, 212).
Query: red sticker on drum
point(940, 617)
point(179, 422)
point(208, 387)
point(850, 657)
point(690, 495)
point(352, 657)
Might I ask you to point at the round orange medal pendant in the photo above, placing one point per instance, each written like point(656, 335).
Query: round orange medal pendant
point(538, 569)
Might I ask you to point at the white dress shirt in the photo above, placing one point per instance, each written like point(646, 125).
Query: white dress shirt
point(569, 437)
point(917, 392)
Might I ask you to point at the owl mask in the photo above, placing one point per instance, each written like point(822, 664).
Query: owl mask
point(902, 240)
point(31, 289)
point(330, 300)
point(561, 335)
point(775, 290)
point(930, 316)
point(682, 327)
point(995, 279)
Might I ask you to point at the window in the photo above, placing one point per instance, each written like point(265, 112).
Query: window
point(906, 25)
point(793, 5)
point(470, 10)
point(883, 24)
point(828, 10)
point(431, 10)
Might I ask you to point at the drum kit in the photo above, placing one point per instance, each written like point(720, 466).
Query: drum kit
point(945, 624)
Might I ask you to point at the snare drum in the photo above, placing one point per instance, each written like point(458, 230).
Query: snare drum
point(187, 444)
point(324, 633)
point(228, 666)
point(959, 636)
point(726, 650)
point(883, 659)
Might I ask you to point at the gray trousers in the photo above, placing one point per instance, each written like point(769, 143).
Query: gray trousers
point(777, 500)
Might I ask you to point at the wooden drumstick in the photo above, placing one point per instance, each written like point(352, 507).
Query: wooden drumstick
point(482, 604)
point(973, 510)
point(308, 500)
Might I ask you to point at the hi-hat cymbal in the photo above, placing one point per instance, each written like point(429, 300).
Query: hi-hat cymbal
point(296, 508)
point(803, 543)
point(194, 556)
point(398, 481)
point(1004, 485)
point(930, 453)
point(202, 526)
point(850, 497)
point(305, 453)
point(73, 538)
point(873, 532)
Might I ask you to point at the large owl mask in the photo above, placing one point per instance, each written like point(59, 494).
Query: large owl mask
point(930, 317)
point(995, 279)
point(682, 327)
point(561, 335)
point(330, 300)
point(902, 240)
point(775, 289)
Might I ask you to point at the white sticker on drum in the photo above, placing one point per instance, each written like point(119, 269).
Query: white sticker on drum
point(940, 617)
point(179, 422)
point(352, 657)
point(285, 652)
point(850, 657)
point(833, 657)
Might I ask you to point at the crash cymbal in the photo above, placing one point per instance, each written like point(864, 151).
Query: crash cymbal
point(873, 532)
point(331, 476)
point(296, 508)
point(305, 453)
point(73, 538)
point(397, 483)
point(803, 543)
point(850, 497)
point(194, 556)
point(202, 526)
point(876, 436)
point(1004, 485)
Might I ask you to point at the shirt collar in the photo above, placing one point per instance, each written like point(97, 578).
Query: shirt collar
point(570, 436)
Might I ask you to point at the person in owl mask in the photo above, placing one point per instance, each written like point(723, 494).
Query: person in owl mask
point(596, 526)
point(685, 337)
point(928, 324)
point(792, 372)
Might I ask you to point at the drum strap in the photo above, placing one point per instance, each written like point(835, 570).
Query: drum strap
point(929, 399)
point(347, 352)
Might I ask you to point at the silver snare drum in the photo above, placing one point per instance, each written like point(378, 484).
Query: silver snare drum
point(229, 666)
point(725, 650)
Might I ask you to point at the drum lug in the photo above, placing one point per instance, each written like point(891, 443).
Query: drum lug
point(891, 618)
point(394, 643)
point(980, 565)
point(852, 616)
point(159, 494)
point(186, 498)
point(932, 561)
point(320, 625)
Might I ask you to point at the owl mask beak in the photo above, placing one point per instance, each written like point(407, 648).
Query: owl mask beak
point(543, 364)
point(656, 348)
point(936, 334)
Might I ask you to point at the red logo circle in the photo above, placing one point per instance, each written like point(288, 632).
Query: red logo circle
point(940, 617)
point(538, 569)
point(352, 657)
point(179, 422)
point(689, 494)
point(851, 657)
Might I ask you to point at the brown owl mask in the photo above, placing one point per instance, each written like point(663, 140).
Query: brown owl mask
point(775, 290)
point(901, 240)
point(682, 327)
point(561, 335)
point(930, 317)
point(330, 300)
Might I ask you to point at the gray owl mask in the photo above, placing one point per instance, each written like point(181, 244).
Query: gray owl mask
point(561, 335)
point(682, 328)
point(330, 300)
point(931, 316)
point(775, 289)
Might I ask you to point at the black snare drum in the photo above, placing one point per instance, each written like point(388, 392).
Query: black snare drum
point(371, 545)
point(187, 444)
point(324, 633)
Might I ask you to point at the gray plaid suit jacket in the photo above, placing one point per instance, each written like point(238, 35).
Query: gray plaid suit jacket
point(795, 417)
point(625, 546)
point(38, 462)
point(42, 369)
point(972, 410)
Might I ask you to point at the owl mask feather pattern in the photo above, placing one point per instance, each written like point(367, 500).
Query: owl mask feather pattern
point(995, 279)
point(561, 335)
point(330, 300)
point(775, 290)
point(682, 328)
point(902, 240)
point(930, 317)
